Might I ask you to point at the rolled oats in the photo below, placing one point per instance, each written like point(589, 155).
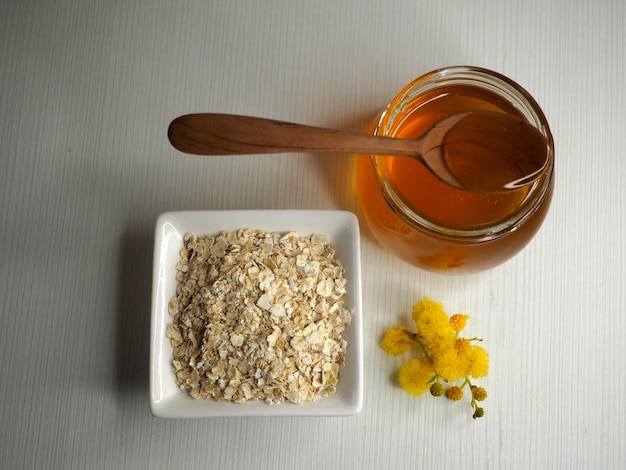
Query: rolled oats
point(258, 316)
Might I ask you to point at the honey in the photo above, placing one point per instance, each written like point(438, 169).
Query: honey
point(429, 223)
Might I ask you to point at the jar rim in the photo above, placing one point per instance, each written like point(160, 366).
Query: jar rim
point(516, 96)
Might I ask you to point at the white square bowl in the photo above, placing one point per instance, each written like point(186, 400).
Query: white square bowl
point(342, 229)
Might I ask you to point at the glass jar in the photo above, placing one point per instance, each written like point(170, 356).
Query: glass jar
point(428, 223)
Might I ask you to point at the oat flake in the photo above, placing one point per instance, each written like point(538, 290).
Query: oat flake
point(258, 316)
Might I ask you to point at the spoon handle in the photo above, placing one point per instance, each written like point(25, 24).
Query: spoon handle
point(227, 134)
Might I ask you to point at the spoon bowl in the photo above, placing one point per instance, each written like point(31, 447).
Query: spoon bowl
point(480, 151)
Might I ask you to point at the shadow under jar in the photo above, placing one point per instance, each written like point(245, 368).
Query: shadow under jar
point(428, 223)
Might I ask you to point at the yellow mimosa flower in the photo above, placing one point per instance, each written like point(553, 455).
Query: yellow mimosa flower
point(479, 362)
point(396, 341)
point(414, 376)
point(443, 359)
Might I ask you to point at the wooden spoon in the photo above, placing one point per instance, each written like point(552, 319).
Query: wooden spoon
point(480, 151)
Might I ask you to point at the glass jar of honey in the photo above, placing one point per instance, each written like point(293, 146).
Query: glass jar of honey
point(433, 225)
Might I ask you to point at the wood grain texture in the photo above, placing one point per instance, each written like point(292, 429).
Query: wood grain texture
point(87, 90)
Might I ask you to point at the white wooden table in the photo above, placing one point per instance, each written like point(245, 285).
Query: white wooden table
point(87, 89)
